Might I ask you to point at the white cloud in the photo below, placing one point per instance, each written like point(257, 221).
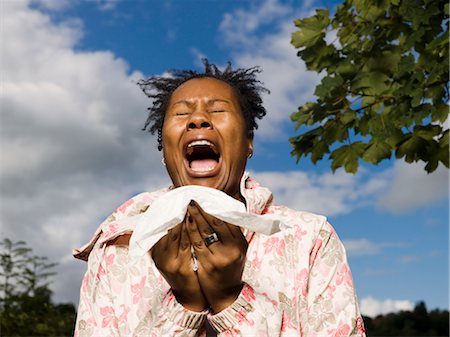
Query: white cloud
point(107, 5)
point(54, 5)
point(284, 74)
point(408, 259)
point(411, 187)
point(372, 307)
point(71, 144)
point(239, 26)
point(363, 247)
point(328, 194)
point(59, 5)
point(359, 247)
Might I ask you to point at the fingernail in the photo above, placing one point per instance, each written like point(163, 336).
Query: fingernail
point(192, 203)
point(189, 218)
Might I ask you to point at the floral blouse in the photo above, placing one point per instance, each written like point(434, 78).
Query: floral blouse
point(297, 282)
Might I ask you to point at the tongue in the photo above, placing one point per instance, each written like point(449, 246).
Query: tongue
point(203, 164)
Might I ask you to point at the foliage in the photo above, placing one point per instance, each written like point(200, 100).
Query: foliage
point(26, 308)
point(418, 322)
point(385, 83)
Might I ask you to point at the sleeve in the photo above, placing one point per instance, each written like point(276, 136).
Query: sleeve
point(252, 314)
point(112, 304)
point(332, 308)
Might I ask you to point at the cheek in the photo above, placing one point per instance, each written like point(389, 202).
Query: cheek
point(170, 134)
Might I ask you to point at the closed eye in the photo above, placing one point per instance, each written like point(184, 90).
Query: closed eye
point(182, 113)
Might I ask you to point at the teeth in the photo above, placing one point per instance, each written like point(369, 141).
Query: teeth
point(204, 169)
point(200, 142)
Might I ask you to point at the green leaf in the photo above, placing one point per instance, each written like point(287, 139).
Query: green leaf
point(304, 115)
point(347, 156)
point(319, 56)
point(334, 131)
point(373, 83)
point(388, 76)
point(386, 61)
point(443, 149)
point(312, 29)
point(328, 85)
point(376, 152)
point(441, 40)
point(441, 112)
point(317, 22)
point(346, 69)
point(416, 97)
point(405, 65)
point(303, 144)
point(318, 151)
point(412, 148)
point(306, 38)
point(394, 138)
point(427, 132)
point(348, 117)
point(443, 141)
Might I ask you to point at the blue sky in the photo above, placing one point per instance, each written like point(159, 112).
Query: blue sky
point(72, 149)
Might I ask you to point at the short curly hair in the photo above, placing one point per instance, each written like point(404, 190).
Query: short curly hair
point(242, 80)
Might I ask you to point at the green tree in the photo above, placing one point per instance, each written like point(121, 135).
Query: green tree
point(418, 322)
point(26, 308)
point(385, 85)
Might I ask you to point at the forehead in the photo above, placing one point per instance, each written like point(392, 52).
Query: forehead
point(207, 87)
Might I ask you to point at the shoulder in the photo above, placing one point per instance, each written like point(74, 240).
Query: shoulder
point(303, 229)
point(135, 205)
point(117, 224)
point(299, 219)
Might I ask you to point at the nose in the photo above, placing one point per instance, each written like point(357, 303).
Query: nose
point(199, 119)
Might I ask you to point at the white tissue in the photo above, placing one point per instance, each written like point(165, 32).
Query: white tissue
point(170, 209)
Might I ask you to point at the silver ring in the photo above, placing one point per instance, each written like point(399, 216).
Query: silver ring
point(210, 239)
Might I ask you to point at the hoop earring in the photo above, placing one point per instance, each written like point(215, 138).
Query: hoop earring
point(250, 155)
point(159, 140)
point(163, 161)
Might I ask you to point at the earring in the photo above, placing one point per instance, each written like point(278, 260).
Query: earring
point(250, 155)
point(163, 161)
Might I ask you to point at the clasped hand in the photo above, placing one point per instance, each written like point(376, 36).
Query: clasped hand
point(218, 281)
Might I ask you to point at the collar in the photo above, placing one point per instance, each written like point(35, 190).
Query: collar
point(257, 199)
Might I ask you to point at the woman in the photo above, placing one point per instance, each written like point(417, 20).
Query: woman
point(206, 272)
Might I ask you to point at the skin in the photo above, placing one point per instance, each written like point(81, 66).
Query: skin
point(204, 109)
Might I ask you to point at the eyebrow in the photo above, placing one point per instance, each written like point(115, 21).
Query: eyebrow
point(208, 102)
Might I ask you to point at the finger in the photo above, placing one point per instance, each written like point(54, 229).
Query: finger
point(235, 231)
point(173, 240)
point(159, 250)
point(230, 234)
point(195, 237)
point(173, 236)
point(161, 245)
point(184, 241)
point(223, 228)
point(202, 219)
point(215, 225)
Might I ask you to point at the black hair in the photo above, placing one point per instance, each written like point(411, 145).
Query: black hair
point(242, 80)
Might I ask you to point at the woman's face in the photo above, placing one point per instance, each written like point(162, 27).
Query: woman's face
point(205, 139)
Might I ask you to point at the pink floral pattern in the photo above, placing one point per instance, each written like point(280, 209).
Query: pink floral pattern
point(274, 244)
point(109, 318)
point(296, 282)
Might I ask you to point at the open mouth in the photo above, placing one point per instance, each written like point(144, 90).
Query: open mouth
point(202, 156)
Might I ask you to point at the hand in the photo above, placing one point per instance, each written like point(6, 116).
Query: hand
point(173, 258)
point(220, 264)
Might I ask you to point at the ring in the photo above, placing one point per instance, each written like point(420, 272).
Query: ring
point(210, 239)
